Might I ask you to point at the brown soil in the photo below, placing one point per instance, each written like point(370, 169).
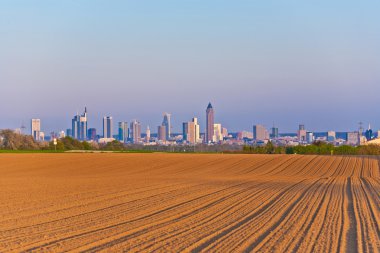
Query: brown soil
point(191, 203)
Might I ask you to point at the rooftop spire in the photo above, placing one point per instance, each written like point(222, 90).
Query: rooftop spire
point(209, 106)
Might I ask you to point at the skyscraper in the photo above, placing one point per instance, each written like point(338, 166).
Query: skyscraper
point(274, 134)
point(260, 133)
point(79, 126)
point(197, 130)
point(301, 133)
point(166, 122)
point(107, 127)
point(368, 133)
point(69, 132)
point(353, 138)
point(123, 131)
point(147, 133)
point(309, 137)
point(209, 124)
point(36, 129)
point(91, 134)
point(331, 136)
point(135, 131)
point(218, 136)
point(189, 132)
point(161, 133)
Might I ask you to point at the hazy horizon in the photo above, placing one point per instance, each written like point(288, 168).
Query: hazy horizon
point(257, 62)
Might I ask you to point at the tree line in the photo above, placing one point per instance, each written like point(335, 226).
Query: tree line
point(316, 148)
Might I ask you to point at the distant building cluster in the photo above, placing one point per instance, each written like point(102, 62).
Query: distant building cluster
point(214, 133)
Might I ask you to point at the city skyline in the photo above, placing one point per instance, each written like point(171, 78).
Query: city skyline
point(214, 132)
point(79, 126)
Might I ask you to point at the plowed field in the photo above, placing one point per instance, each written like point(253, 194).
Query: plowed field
point(192, 203)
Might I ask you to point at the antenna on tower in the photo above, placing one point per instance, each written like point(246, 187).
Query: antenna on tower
point(361, 128)
point(22, 127)
point(360, 125)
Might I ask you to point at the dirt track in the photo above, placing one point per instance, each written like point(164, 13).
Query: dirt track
point(171, 203)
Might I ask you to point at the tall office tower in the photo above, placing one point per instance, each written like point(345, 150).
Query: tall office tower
point(161, 133)
point(107, 127)
point(69, 132)
point(166, 122)
point(260, 133)
point(209, 124)
point(189, 132)
point(91, 135)
point(147, 137)
point(36, 129)
point(361, 129)
point(135, 131)
point(331, 136)
point(218, 136)
point(353, 138)
point(301, 133)
point(79, 126)
point(368, 133)
point(274, 134)
point(224, 132)
point(197, 130)
point(123, 131)
point(309, 137)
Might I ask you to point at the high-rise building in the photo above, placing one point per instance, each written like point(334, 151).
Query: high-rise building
point(301, 133)
point(224, 132)
point(69, 132)
point(218, 136)
point(331, 136)
point(147, 135)
point(274, 134)
point(209, 123)
point(135, 131)
point(107, 127)
point(123, 131)
point(260, 133)
point(91, 134)
point(36, 129)
point(309, 137)
point(369, 133)
point(167, 123)
point(161, 133)
point(353, 138)
point(79, 126)
point(197, 130)
point(189, 132)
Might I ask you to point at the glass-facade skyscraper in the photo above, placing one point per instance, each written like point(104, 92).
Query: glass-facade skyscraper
point(123, 131)
point(107, 127)
point(167, 124)
point(79, 126)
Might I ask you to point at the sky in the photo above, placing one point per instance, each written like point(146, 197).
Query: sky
point(257, 62)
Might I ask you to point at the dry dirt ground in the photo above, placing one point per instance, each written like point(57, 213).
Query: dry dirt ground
point(191, 203)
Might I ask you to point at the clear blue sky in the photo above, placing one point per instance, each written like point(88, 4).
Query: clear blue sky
point(312, 62)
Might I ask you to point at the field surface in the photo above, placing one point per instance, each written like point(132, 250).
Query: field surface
point(191, 203)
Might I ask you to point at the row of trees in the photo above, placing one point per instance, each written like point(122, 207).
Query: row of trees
point(317, 148)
